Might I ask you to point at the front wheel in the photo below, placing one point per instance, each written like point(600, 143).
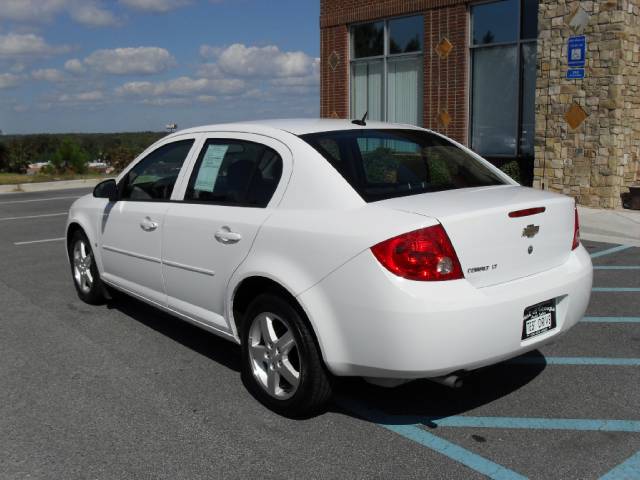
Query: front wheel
point(86, 277)
point(281, 364)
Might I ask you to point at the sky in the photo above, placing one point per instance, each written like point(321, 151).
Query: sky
point(132, 65)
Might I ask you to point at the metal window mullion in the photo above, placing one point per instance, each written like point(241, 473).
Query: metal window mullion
point(385, 70)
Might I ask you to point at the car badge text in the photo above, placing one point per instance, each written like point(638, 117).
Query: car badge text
point(530, 231)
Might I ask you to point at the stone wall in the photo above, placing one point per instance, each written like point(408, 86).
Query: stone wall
point(597, 160)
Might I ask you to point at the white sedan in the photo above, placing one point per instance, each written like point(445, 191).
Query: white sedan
point(331, 248)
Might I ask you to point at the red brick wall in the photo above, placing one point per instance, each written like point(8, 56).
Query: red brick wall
point(334, 84)
point(445, 81)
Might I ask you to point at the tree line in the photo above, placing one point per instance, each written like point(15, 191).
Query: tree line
point(72, 152)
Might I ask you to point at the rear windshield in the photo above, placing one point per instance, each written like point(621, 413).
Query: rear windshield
point(381, 164)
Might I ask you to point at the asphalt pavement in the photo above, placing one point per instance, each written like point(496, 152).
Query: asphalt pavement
point(125, 391)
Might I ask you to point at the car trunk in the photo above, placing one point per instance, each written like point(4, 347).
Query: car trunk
point(492, 246)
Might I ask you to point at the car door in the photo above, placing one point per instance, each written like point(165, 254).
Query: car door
point(234, 180)
point(131, 229)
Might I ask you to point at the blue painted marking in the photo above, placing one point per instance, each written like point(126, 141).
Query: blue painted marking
point(616, 267)
point(540, 423)
point(409, 427)
point(611, 319)
point(615, 289)
point(454, 452)
point(613, 362)
point(627, 470)
point(609, 251)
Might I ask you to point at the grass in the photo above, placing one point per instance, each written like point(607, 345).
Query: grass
point(17, 178)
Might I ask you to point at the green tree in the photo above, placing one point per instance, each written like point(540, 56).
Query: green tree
point(70, 156)
point(119, 156)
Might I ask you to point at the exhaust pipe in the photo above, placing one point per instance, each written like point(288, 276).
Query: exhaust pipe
point(451, 381)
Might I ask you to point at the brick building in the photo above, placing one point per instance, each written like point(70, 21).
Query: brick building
point(547, 89)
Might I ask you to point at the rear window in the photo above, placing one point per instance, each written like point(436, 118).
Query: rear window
point(381, 164)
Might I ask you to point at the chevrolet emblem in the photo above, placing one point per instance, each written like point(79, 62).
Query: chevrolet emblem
point(530, 231)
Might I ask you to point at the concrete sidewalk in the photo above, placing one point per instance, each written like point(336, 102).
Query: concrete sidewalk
point(610, 226)
point(47, 186)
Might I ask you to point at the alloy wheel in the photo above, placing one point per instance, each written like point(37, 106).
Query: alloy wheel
point(274, 355)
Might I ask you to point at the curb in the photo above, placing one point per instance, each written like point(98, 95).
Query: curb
point(47, 186)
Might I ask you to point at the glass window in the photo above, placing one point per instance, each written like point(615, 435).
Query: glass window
point(495, 108)
point(528, 121)
point(529, 24)
point(235, 172)
point(394, 163)
point(503, 78)
point(389, 88)
point(404, 95)
point(154, 177)
point(495, 22)
point(368, 40)
point(405, 35)
point(367, 89)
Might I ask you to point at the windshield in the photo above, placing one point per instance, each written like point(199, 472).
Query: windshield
point(381, 164)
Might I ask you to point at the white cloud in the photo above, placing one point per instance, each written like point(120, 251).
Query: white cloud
point(86, 12)
point(74, 66)
point(9, 80)
point(83, 97)
point(129, 61)
point(181, 87)
point(22, 45)
point(94, 15)
point(155, 5)
point(48, 75)
point(269, 61)
point(209, 51)
point(29, 10)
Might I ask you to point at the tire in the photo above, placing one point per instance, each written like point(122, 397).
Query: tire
point(271, 360)
point(84, 271)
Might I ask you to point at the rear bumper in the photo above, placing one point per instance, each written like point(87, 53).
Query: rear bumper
point(374, 324)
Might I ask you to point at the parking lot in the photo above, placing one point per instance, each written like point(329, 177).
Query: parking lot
point(125, 391)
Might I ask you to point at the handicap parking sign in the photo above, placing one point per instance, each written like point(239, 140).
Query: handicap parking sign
point(576, 51)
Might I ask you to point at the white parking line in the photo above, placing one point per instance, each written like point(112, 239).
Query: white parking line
point(37, 200)
point(39, 241)
point(34, 216)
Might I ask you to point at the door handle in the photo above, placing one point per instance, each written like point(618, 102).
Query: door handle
point(226, 236)
point(148, 225)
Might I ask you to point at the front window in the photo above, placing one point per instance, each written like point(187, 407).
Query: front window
point(503, 52)
point(381, 164)
point(386, 70)
point(154, 177)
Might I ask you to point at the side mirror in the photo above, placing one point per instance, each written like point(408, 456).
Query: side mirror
point(107, 189)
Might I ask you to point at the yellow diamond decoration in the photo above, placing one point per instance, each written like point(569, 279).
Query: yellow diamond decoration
point(444, 118)
point(575, 116)
point(444, 47)
point(334, 60)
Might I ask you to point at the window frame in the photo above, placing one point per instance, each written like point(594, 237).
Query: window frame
point(385, 57)
point(120, 180)
point(517, 154)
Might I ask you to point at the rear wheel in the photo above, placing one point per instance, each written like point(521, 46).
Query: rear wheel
point(281, 364)
point(85, 274)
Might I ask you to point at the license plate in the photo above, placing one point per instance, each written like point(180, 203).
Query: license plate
point(539, 319)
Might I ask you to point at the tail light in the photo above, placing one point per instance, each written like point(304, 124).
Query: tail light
point(426, 254)
point(576, 230)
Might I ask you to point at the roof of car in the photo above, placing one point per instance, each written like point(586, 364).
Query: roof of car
point(296, 126)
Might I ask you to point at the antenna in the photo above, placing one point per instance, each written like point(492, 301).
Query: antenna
point(362, 122)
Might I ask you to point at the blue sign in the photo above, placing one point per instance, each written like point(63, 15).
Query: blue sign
point(577, 51)
point(575, 73)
